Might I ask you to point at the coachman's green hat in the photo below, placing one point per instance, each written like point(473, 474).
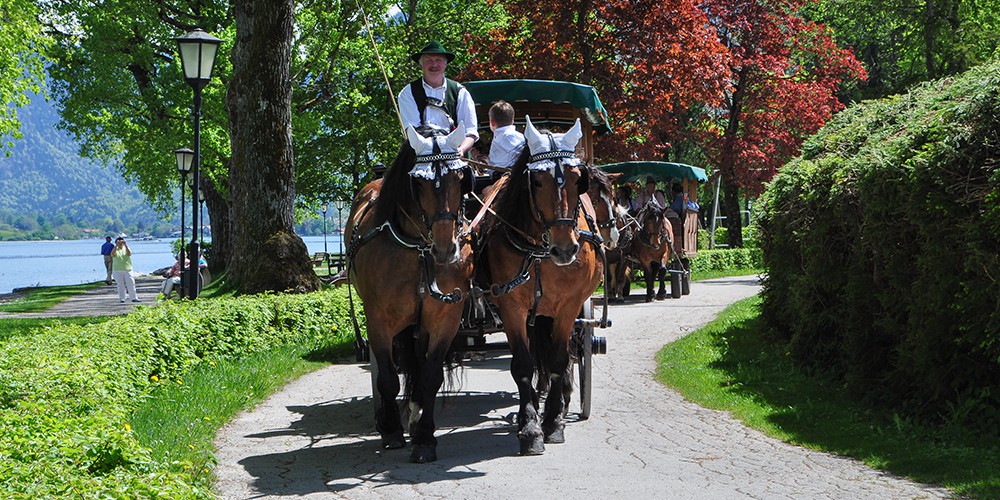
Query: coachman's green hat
point(433, 47)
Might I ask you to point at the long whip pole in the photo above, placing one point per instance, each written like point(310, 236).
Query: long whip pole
point(381, 65)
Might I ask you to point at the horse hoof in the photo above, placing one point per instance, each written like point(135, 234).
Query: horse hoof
point(422, 454)
point(555, 437)
point(661, 296)
point(649, 298)
point(393, 441)
point(532, 445)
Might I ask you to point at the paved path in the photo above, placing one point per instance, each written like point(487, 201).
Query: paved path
point(100, 301)
point(316, 439)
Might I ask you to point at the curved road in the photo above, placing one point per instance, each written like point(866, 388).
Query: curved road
point(316, 438)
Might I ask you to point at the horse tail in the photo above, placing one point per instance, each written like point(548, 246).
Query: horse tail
point(404, 349)
point(540, 340)
point(405, 355)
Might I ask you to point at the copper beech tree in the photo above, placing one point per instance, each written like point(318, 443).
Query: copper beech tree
point(740, 82)
point(650, 61)
point(784, 73)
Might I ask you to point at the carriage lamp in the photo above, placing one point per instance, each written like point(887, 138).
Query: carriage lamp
point(197, 50)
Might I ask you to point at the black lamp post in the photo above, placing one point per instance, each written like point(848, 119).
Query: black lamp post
point(325, 251)
point(197, 50)
point(340, 204)
point(184, 158)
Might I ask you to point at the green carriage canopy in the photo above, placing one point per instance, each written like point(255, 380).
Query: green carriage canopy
point(661, 171)
point(529, 96)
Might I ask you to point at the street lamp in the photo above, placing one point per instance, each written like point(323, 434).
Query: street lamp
point(184, 158)
point(197, 50)
point(340, 204)
point(325, 251)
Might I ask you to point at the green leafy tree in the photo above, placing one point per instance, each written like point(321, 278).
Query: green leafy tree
point(904, 42)
point(21, 68)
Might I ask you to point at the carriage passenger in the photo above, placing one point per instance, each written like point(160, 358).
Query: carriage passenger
point(507, 141)
point(651, 194)
point(434, 100)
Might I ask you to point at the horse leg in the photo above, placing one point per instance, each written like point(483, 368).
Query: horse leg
point(661, 273)
point(650, 273)
point(522, 368)
point(556, 401)
point(429, 375)
point(387, 421)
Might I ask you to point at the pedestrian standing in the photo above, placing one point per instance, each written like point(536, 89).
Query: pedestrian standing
point(106, 249)
point(121, 267)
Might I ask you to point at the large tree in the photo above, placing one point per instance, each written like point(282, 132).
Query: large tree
point(784, 74)
point(21, 70)
point(271, 256)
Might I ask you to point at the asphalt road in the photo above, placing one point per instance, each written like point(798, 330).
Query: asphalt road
point(316, 438)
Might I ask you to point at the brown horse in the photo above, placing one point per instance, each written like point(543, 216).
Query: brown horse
point(649, 245)
point(408, 240)
point(543, 262)
point(612, 222)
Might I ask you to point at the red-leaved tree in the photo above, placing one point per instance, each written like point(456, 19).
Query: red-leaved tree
point(784, 75)
point(649, 60)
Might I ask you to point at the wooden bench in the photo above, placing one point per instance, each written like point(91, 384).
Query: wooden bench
point(319, 258)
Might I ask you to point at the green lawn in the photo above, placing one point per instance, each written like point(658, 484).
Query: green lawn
point(730, 365)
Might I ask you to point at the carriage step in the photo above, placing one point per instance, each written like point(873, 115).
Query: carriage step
point(582, 322)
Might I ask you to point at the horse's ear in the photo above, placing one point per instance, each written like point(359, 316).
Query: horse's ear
point(468, 180)
point(583, 184)
point(572, 137)
point(418, 142)
point(532, 137)
point(455, 138)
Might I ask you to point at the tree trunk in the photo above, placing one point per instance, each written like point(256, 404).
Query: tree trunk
point(730, 188)
point(266, 254)
point(218, 213)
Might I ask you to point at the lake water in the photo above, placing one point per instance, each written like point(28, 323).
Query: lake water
point(71, 262)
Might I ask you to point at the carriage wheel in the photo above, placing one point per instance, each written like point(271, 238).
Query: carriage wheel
point(586, 362)
point(675, 280)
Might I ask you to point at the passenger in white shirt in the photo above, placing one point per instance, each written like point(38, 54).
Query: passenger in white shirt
point(445, 102)
point(507, 141)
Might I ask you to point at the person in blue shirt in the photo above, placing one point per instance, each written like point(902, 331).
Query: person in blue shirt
point(679, 203)
point(106, 249)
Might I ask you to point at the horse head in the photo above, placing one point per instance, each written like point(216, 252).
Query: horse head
point(556, 179)
point(439, 180)
point(602, 196)
point(652, 224)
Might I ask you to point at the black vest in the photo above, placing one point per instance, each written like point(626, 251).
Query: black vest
point(450, 106)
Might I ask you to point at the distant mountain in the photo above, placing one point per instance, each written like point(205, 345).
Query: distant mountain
point(45, 184)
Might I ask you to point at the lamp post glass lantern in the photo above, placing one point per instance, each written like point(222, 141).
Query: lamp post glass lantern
point(197, 50)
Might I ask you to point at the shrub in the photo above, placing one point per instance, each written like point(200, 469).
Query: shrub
point(727, 259)
point(881, 244)
point(66, 393)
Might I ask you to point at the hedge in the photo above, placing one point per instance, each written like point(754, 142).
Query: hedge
point(882, 243)
point(66, 392)
point(727, 259)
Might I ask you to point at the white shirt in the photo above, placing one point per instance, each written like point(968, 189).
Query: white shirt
point(506, 146)
point(465, 109)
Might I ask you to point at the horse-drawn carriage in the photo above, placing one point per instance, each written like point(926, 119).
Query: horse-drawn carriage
point(537, 258)
point(683, 220)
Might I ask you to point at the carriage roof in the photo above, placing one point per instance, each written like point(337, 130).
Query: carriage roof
point(637, 171)
point(548, 102)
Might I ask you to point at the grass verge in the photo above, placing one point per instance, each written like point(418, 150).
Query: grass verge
point(11, 327)
point(730, 365)
point(43, 297)
point(179, 420)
